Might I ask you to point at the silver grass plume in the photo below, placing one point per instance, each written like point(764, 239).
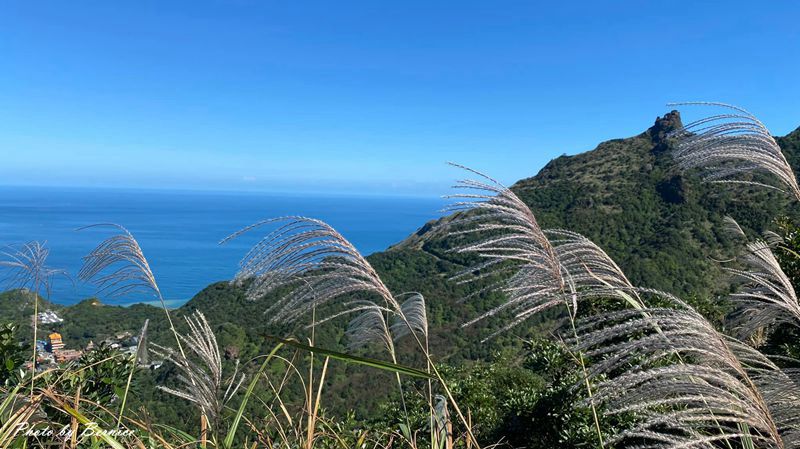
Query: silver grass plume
point(727, 145)
point(767, 297)
point(25, 267)
point(314, 260)
point(780, 388)
point(506, 234)
point(773, 239)
point(416, 318)
point(142, 353)
point(731, 226)
point(141, 357)
point(440, 420)
point(318, 266)
point(202, 383)
point(593, 271)
point(545, 268)
point(689, 385)
point(369, 326)
point(118, 266)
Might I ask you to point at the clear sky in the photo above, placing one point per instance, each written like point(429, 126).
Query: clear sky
point(369, 97)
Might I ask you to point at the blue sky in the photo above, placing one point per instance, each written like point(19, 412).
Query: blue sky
point(368, 97)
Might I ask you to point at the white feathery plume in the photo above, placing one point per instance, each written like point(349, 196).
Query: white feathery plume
point(25, 267)
point(439, 423)
point(142, 353)
point(118, 266)
point(416, 318)
point(728, 145)
point(314, 260)
point(544, 268)
point(731, 226)
point(369, 326)
point(201, 383)
point(511, 241)
point(780, 388)
point(773, 239)
point(591, 269)
point(706, 397)
point(768, 297)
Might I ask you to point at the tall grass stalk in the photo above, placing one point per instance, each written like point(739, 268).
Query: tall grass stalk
point(119, 267)
point(138, 358)
point(26, 268)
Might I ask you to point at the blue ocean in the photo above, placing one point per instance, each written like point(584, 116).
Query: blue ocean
point(179, 231)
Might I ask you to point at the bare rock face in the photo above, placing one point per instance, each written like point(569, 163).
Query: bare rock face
point(661, 129)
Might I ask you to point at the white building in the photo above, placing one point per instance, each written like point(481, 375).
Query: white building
point(49, 317)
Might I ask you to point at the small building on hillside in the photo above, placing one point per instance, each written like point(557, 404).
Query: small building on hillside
point(49, 317)
point(54, 342)
point(66, 355)
point(123, 335)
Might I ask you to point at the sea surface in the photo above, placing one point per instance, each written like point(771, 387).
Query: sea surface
point(179, 231)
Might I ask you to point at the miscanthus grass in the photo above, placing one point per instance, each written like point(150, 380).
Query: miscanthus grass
point(25, 267)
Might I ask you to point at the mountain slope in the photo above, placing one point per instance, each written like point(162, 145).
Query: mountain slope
point(662, 227)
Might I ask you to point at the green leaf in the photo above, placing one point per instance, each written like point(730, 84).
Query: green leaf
point(228, 442)
point(10, 397)
point(85, 421)
point(374, 363)
point(404, 429)
point(119, 391)
point(186, 437)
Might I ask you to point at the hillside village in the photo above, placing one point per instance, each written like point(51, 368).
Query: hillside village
point(53, 350)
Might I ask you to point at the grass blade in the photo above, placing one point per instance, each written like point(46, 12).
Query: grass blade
point(348, 358)
point(112, 442)
point(228, 442)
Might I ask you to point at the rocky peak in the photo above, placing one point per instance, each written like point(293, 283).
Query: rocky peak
point(661, 129)
point(665, 125)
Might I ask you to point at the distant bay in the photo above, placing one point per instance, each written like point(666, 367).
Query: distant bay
point(179, 231)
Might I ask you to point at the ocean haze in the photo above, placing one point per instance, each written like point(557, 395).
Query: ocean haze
point(179, 231)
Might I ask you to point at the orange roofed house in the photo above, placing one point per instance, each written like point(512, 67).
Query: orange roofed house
point(55, 342)
point(60, 354)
